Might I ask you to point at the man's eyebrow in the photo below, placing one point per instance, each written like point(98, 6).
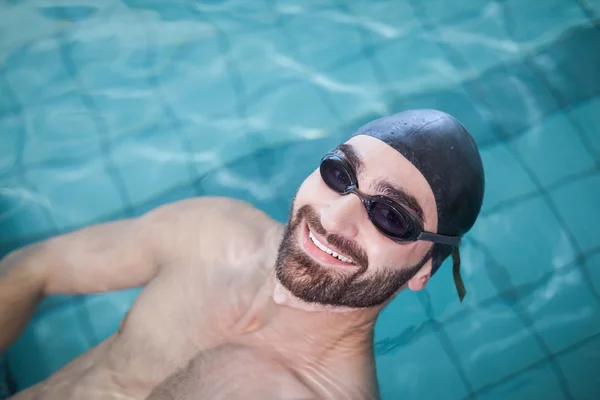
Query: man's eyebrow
point(400, 196)
point(384, 187)
point(352, 156)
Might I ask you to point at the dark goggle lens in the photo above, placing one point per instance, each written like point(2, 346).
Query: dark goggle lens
point(385, 217)
point(335, 175)
point(389, 220)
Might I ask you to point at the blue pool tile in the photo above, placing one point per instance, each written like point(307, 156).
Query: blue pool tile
point(440, 297)
point(282, 110)
point(357, 91)
point(24, 212)
point(214, 90)
point(60, 129)
point(581, 366)
point(577, 203)
point(15, 17)
point(391, 333)
point(8, 106)
point(570, 64)
point(479, 283)
point(553, 150)
point(116, 79)
point(106, 311)
point(213, 143)
point(68, 13)
point(593, 6)
point(431, 70)
point(587, 116)
point(563, 309)
point(506, 183)
point(31, 360)
point(592, 266)
point(269, 178)
point(438, 11)
point(409, 370)
point(516, 90)
point(535, 383)
point(485, 336)
point(158, 154)
point(125, 113)
point(254, 15)
point(164, 11)
point(531, 22)
point(77, 194)
point(340, 38)
point(540, 245)
point(30, 84)
point(481, 41)
point(50, 303)
point(266, 57)
point(383, 20)
point(12, 143)
point(174, 194)
point(226, 142)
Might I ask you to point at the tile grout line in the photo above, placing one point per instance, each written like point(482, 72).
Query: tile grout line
point(21, 170)
point(527, 322)
point(589, 13)
point(104, 142)
point(559, 184)
point(573, 347)
point(516, 289)
point(155, 83)
point(448, 346)
point(560, 100)
point(292, 46)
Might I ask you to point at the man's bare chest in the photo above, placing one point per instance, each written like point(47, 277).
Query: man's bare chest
point(176, 318)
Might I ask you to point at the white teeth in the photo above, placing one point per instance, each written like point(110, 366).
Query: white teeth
point(328, 250)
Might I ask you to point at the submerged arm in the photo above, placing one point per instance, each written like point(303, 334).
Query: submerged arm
point(122, 254)
point(103, 257)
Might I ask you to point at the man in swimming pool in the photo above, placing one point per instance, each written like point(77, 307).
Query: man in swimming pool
point(237, 305)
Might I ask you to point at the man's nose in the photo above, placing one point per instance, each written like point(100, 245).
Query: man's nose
point(342, 214)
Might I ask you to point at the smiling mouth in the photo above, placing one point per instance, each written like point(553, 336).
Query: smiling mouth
point(328, 250)
point(322, 253)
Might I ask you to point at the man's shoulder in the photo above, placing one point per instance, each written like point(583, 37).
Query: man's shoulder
point(223, 229)
point(221, 212)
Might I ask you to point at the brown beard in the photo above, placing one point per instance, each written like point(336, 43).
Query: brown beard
point(308, 280)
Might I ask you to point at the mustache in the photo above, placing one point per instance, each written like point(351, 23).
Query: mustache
point(345, 246)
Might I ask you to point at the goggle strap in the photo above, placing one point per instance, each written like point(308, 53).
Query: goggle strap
point(458, 282)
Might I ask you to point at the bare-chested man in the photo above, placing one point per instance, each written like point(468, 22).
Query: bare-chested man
point(238, 306)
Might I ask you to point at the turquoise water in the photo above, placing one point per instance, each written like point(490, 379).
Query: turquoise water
point(109, 109)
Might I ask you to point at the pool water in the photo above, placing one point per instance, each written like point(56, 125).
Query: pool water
point(111, 108)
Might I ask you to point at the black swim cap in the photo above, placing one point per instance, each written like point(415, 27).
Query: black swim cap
point(439, 146)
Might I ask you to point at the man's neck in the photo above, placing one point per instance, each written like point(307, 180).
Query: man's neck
point(312, 330)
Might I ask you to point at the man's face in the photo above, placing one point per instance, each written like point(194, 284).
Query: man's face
point(322, 221)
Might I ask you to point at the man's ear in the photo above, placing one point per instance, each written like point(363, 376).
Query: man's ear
point(419, 281)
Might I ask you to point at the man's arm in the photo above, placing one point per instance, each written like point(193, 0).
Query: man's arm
point(21, 289)
point(103, 257)
point(123, 254)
